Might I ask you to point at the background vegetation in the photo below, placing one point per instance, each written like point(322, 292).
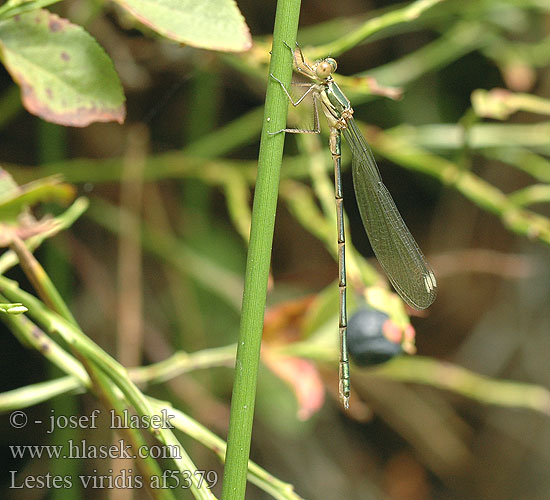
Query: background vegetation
point(455, 104)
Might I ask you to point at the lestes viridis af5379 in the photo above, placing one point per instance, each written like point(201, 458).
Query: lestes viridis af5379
point(393, 244)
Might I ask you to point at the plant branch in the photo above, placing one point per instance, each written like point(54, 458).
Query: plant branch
point(259, 254)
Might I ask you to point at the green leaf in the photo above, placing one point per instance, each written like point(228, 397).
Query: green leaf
point(7, 185)
point(64, 75)
point(16, 219)
point(14, 199)
point(207, 24)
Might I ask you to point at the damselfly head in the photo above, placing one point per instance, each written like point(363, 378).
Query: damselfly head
point(325, 68)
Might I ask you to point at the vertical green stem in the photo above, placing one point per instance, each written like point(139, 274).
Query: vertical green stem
point(259, 254)
point(52, 146)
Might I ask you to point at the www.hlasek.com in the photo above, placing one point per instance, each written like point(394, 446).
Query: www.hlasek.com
point(81, 450)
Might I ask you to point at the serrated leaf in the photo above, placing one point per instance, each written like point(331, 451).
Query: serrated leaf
point(207, 24)
point(64, 74)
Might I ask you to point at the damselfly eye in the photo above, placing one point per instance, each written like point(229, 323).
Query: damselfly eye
point(326, 67)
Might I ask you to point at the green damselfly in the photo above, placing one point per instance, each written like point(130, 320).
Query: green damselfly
point(392, 242)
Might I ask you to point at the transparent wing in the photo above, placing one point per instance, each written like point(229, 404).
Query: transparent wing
point(390, 239)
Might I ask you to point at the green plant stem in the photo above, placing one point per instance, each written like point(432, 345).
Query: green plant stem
point(482, 193)
point(259, 254)
point(521, 158)
point(103, 387)
point(537, 193)
point(258, 476)
point(63, 221)
point(350, 40)
point(30, 335)
point(446, 376)
point(458, 40)
point(41, 282)
point(147, 466)
point(89, 352)
point(437, 374)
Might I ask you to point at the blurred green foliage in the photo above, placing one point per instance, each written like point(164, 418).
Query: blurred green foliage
point(465, 153)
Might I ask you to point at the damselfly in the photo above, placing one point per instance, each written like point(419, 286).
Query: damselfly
point(392, 242)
